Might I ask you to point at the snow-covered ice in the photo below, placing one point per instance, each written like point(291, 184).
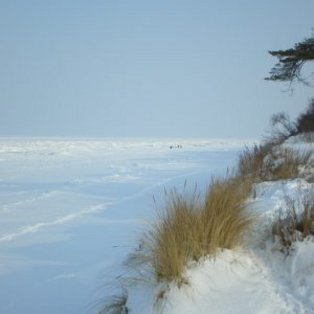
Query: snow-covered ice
point(71, 210)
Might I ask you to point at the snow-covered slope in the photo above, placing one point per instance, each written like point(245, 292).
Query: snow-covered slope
point(259, 277)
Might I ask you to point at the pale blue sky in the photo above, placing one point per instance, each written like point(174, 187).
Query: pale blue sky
point(146, 68)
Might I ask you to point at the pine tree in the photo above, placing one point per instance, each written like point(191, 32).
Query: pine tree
point(291, 62)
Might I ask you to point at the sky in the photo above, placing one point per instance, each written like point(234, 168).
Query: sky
point(140, 68)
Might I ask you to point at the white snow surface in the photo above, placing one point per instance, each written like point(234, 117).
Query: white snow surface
point(256, 278)
point(259, 277)
point(71, 210)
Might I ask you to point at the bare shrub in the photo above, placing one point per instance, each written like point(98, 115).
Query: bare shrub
point(285, 227)
point(305, 122)
point(281, 128)
point(306, 222)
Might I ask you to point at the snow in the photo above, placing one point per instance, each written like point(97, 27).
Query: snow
point(72, 210)
point(256, 278)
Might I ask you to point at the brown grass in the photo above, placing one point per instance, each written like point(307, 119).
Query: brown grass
point(170, 243)
point(189, 228)
point(251, 164)
point(285, 164)
point(224, 217)
point(270, 163)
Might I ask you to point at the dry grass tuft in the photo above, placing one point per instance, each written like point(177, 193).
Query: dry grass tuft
point(224, 218)
point(189, 228)
point(285, 163)
point(270, 163)
point(170, 243)
point(293, 227)
point(251, 164)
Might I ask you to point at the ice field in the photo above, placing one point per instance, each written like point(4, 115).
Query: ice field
point(72, 209)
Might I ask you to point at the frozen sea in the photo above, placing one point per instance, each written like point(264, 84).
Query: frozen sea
point(71, 210)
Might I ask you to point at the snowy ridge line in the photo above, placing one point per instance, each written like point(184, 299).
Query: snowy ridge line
point(40, 196)
point(58, 221)
point(120, 178)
